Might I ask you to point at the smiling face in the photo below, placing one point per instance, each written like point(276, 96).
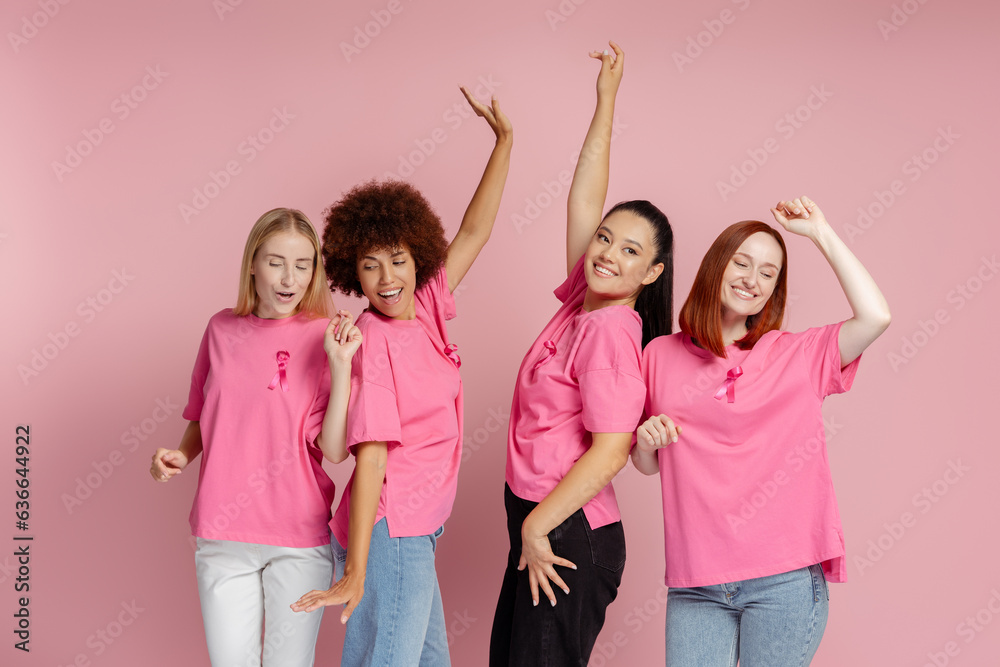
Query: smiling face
point(617, 261)
point(389, 278)
point(751, 276)
point(282, 270)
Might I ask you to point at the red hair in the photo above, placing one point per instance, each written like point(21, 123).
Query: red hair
point(701, 314)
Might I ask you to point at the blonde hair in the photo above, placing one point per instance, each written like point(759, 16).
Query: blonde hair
point(316, 301)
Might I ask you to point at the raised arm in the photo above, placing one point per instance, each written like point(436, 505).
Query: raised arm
point(341, 340)
point(587, 193)
point(871, 312)
point(607, 455)
point(477, 224)
point(369, 475)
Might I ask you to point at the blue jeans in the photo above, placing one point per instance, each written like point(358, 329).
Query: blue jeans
point(400, 620)
point(775, 621)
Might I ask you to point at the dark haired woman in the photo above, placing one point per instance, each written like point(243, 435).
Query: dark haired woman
point(750, 519)
point(577, 400)
point(404, 424)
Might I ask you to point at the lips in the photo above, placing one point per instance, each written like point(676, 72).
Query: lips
point(286, 297)
point(391, 296)
point(744, 294)
point(603, 271)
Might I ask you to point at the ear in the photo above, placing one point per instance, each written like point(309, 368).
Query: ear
point(653, 274)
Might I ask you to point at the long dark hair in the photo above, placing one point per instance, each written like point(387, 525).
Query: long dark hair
point(655, 303)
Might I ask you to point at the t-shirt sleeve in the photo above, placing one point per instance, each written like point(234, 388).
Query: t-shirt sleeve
point(437, 297)
point(317, 413)
point(196, 395)
point(372, 413)
point(821, 348)
point(607, 368)
point(574, 284)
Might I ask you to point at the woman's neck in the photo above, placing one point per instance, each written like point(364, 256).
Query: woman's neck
point(592, 302)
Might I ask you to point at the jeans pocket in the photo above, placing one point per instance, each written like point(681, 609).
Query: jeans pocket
point(607, 545)
point(820, 588)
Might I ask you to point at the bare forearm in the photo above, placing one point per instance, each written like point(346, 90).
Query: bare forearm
point(645, 462)
point(191, 444)
point(332, 440)
point(480, 216)
point(589, 189)
point(592, 472)
point(369, 475)
point(870, 310)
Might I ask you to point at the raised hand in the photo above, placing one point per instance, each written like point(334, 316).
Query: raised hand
point(800, 216)
point(497, 119)
point(342, 338)
point(612, 67)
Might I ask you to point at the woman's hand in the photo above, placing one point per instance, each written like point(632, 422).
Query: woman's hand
point(656, 433)
point(167, 463)
point(497, 119)
point(348, 590)
point(342, 338)
point(801, 216)
point(537, 556)
point(610, 76)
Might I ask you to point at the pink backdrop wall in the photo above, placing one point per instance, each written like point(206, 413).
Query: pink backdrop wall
point(117, 115)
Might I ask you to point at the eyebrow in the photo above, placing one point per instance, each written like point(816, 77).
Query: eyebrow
point(748, 256)
point(395, 254)
point(627, 240)
point(277, 256)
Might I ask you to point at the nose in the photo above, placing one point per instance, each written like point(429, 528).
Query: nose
point(287, 276)
point(386, 275)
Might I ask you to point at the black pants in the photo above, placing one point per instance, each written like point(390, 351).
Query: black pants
point(564, 635)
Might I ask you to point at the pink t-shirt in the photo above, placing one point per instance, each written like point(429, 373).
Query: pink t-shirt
point(406, 391)
point(747, 490)
point(262, 479)
point(581, 376)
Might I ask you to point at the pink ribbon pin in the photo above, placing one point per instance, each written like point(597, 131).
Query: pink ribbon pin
point(728, 387)
point(280, 377)
point(550, 351)
point(451, 351)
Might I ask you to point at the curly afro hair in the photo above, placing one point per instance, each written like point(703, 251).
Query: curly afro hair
point(381, 215)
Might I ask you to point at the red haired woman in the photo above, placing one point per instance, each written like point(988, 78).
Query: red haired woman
point(750, 585)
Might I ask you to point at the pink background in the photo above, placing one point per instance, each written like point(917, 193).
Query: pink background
point(920, 566)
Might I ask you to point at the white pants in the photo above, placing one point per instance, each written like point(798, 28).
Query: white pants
point(244, 587)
